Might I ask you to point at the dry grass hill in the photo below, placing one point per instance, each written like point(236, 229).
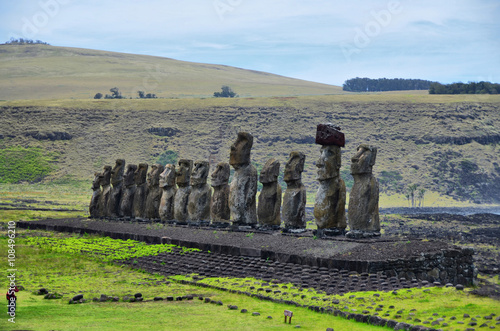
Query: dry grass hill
point(50, 72)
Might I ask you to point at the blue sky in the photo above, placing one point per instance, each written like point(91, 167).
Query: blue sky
point(317, 40)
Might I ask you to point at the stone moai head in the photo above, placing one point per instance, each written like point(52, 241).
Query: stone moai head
point(329, 162)
point(153, 176)
point(329, 136)
point(200, 173)
point(140, 174)
point(183, 173)
point(167, 177)
point(294, 167)
point(117, 172)
point(106, 176)
point(96, 183)
point(128, 176)
point(240, 150)
point(220, 176)
point(363, 161)
point(270, 171)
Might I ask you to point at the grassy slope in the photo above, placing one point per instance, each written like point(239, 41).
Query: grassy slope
point(104, 130)
point(49, 72)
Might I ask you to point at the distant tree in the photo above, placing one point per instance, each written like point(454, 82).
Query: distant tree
point(465, 88)
point(384, 84)
point(151, 96)
point(420, 197)
point(411, 193)
point(142, 95)
point(227, 92)
point(22, 41)
point(98, 96)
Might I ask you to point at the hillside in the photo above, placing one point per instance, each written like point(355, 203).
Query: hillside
point(445, 144)
point(50, 72)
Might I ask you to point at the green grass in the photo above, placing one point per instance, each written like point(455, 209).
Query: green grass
point(19, 164)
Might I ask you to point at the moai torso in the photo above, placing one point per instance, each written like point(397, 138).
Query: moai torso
point(294, 199)
point(141, 191)
point(363, 212)
point(268, 210)
point(243, 188)
point(329, 209)
point(96, 194)
point(126, 204)
point(105, 192)
point(154, 192)
point(201, 193)
point(219, 206)
point(181, 199)
point(167, 184)
point(117, 188)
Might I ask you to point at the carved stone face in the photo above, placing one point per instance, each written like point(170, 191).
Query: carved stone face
point(363, 161)
point(329, 162)
point(183, 173)
point(240, 150)
point(106, 176)
point(140, 174)
point(128, 176)
point(200, 173)
point(167, 177)
point(270, 171)
point(154, 175)
point(294, 167)
point(117, 172)
point(96, 183)
point(220, 176)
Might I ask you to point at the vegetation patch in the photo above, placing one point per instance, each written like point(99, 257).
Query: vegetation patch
point(18, 164)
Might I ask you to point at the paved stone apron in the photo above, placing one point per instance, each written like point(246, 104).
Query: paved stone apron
point(331, 281)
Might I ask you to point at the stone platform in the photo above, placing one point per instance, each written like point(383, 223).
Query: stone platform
point(394, 257)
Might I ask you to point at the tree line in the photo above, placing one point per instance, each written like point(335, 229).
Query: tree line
point(465, 88)
point(385, 84)
point(23, 41)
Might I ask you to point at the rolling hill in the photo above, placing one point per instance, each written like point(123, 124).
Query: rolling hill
point(49, 72)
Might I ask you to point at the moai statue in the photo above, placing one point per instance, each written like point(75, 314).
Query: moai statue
point(141, 191)
point(117, 190)
point(96, 195)
point(294, 200)
point(268, 210)
point(363, 201)
point(243, 186)
point(129, 188)
point(219, 206)
point(154, 193)
point(182, 179)
point(329, 209)
point(201, 194)
point(105, 192)
point(167, 184)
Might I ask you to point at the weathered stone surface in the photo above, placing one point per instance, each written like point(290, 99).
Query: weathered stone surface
point(329, 209)
point(105, 192)
point(201, 193)
point(141, 191)
point(182, 179)
point(294, 200)
point(243, 188)
point(363, 212)
point(129, 188)
point(219, 207)
point(167, 184)
point(96, 194)
point(329, 134)
point(154, 192)
point(117, 188)
point(268, 211)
